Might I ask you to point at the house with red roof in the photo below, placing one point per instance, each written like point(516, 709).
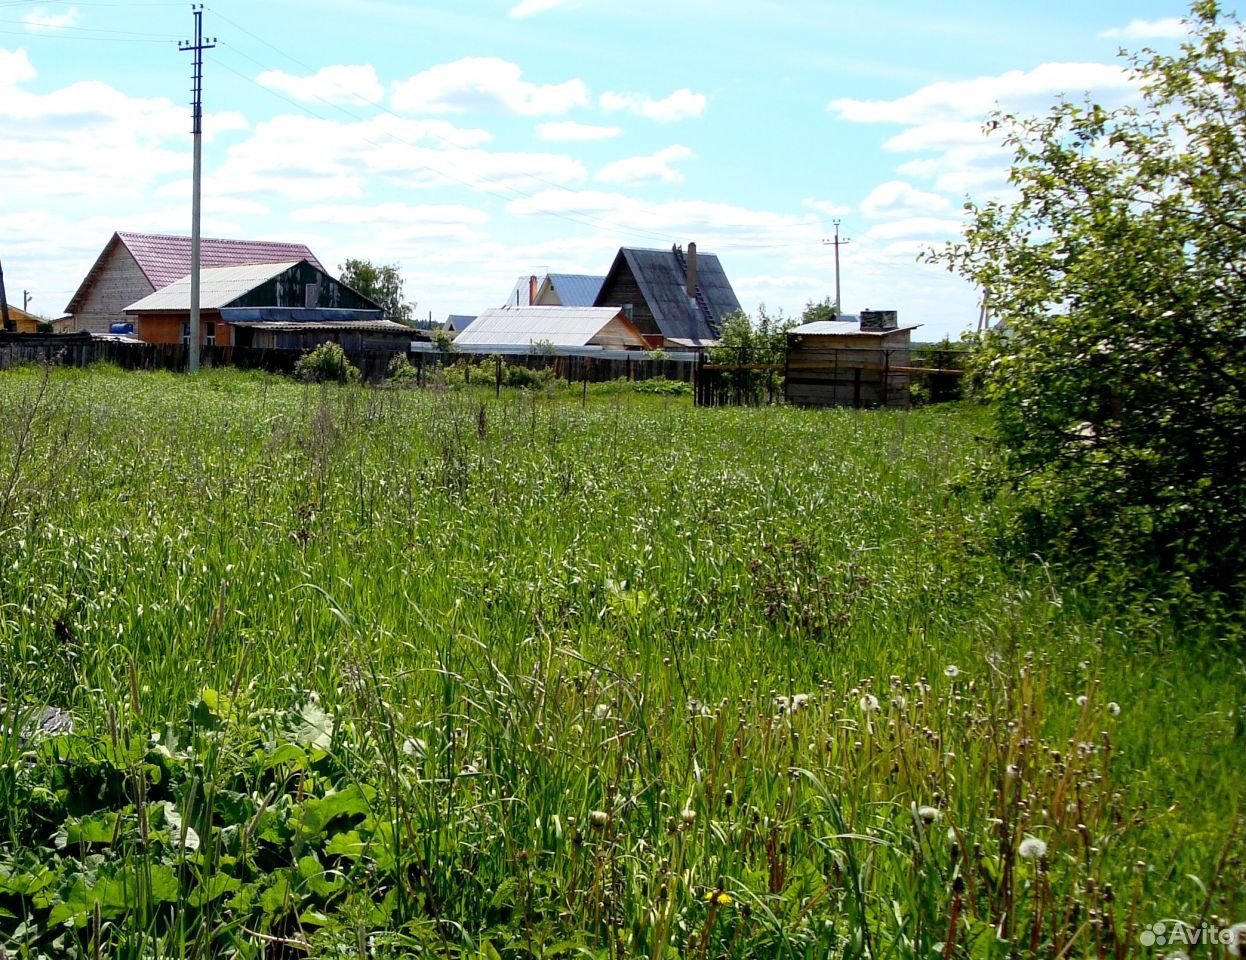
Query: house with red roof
point(133, 266)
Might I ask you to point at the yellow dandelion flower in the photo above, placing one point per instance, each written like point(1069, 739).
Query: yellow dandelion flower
point(718, 898)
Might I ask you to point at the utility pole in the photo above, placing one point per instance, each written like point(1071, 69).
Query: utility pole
point(197, 47)
point(837, 243)
point(9, 325)
point(26, 298)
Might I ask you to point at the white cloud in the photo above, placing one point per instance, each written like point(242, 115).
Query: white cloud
point(15, 68)
point(898, 199)
point(826, 208)
point(485, 83)
point(911, 228)
point(961, 100)
point(571, 130)
point(680, 105)
point(354, 85)
point(942, 135)
point(526, 8)
point(637, 171)
point(1165, 28)
point(38, 21)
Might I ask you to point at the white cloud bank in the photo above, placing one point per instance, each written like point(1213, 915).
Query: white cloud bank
point(1165, 28)
point(485, 84)
point(38, 21)
point(528, 8)
point(572, 131)
point(350, 85)
point(680, 105)
point(639, 171)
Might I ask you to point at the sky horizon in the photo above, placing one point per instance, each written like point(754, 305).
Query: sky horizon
point(471, 144)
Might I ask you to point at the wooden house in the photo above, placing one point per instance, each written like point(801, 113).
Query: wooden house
point(527, 328)
point(675, 299)
point(850, 362)
point(283, 305)
point(135, 265)
point(24, 322)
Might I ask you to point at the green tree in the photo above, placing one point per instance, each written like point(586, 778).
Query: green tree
point(1120, 269)
point(748, 342)
point(823, 309)
point(382, 284)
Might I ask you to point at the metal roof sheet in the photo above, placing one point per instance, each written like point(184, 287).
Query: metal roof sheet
point(844, 328)
point(576, 289)
point(329, 326)
point(217, 288)
point(662, 279)
point(524, 326)
point(165, 260)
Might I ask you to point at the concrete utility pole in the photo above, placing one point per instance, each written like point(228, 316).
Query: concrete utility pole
point(9, 325)
point(196, 47)
point(837, 243)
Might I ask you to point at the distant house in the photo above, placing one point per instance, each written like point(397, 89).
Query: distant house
point(673, 298)
point(135, 265)
point(291, 305)
point(526, 328)
point(456, 323)
point(568, 290)
point(24, 322)
point(555, 290)
point(850, 362)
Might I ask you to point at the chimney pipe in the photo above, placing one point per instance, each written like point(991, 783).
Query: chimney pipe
point(692, 271)
point(531, 290)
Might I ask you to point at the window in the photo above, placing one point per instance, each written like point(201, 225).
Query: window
point(185, 333)
point(209, 334)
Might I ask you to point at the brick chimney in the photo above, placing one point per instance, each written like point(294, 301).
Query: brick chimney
point(692, 271)
point(532, 288)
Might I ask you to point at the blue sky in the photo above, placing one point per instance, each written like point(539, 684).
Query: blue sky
point(475, 142)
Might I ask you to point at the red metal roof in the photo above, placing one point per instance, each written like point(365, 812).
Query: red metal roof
point(165, 260)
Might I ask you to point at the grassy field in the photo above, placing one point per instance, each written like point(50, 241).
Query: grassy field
point(399, 673)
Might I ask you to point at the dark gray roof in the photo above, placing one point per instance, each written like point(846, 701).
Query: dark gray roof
point(576, 289)
point(663, 282)
point(458, 322)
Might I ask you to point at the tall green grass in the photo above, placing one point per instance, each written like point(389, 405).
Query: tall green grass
point(387, 673)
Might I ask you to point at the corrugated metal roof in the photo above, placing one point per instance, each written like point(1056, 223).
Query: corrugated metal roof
point(341, 326)
point(165, 260)
point(664, 284)
point(524, 326)
point(217, 288)
point(458, 322)
point(576, 289)
point(844, 328)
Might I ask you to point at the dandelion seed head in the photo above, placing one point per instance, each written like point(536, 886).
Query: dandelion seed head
point(951, 670)
point(1081, 701)
point(869, 703)
point(1032, 848)
point(1114, 708)
point(929, 814)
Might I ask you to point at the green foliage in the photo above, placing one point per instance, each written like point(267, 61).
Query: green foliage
point(382, 285)
point(940, 388)
point(662, 387)
point(748, 342)
point(444, 342)
point(452, 676)
point(327, 363)
point(400, 372)
point(1118, 393)
point(815, 311)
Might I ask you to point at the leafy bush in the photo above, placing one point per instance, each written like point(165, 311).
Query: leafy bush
point(326, 364)
point(400, 372)
point(1118, 390)
point(660, 386)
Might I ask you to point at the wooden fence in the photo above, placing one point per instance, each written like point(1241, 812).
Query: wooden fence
point(81, 351)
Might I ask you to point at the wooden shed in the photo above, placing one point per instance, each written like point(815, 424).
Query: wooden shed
point(850, 362)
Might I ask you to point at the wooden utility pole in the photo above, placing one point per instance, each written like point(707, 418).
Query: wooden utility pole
point(9, 325)
point(196, 47)
point(837, 243)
